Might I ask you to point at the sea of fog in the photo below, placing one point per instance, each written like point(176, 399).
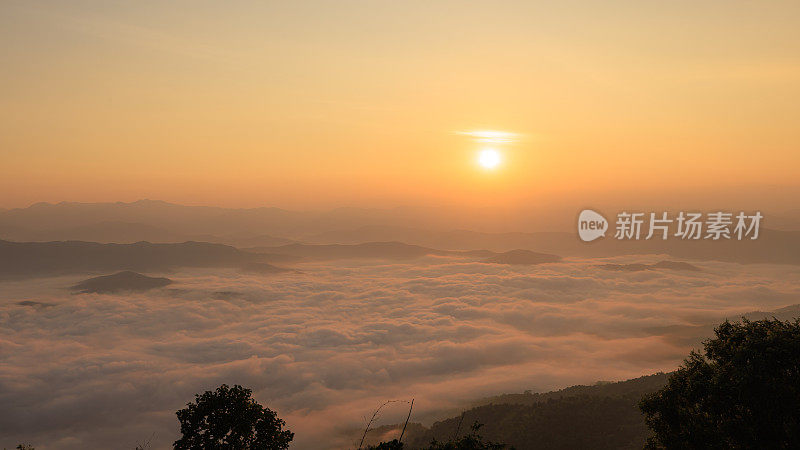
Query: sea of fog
point(326, 345)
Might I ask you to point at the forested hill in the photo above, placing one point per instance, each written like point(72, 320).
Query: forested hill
point(601, 416)
point(633, 387)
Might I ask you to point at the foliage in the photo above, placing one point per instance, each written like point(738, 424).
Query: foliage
point(394, 444)
point(229, 419)
point(743, 392)
point(472, 441)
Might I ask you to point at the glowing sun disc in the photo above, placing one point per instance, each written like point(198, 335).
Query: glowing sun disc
point(489, 158)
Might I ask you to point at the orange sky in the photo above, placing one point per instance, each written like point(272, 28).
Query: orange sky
point(321, 104)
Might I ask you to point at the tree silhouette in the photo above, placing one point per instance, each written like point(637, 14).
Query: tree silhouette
point(472, 441)
point(229, 419)
point(743, 392)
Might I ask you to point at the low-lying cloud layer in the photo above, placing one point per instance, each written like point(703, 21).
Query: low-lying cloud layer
point(324, 347)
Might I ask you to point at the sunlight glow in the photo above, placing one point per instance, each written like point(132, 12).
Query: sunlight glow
point(489, 158)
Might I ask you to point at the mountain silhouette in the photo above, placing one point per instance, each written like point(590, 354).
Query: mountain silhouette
point(121, 281)
point(379, 250)
point(157, 221)
point(51, 258)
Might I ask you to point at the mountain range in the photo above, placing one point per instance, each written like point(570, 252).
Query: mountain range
point(160, 222)
point(55, 258)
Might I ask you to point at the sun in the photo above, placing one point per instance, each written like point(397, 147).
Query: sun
point(489, 158)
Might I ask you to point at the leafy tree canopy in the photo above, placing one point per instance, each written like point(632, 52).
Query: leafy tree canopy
point(742, 392)
point(229, 419)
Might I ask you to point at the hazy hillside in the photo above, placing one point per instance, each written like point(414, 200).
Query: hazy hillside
point(565, 423)
point(772, 246)
point(399, 250)
point(633, 387)
point(189, 220)
point(603, 415)
point(130, 232)
point(105, 232)
point(157, 221)
point(387, 250)
point(45, 258)
point(450, 240)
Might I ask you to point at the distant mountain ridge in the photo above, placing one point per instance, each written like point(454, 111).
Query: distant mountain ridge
point(772, 246)
point(458, 239)
point(158, 221)
point(400, 250)
point(62, 257)
point(131, 232)
point(190, 220)
point(51, 258)
point(388, 250)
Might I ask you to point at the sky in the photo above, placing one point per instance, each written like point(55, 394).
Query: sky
point(323, 104)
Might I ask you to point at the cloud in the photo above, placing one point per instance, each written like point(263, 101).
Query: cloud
point(491, 136)
point(326, 346)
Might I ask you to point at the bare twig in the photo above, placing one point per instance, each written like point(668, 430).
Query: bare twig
point(407, 418)
point(458, 428)
point(372, 419)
